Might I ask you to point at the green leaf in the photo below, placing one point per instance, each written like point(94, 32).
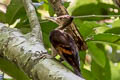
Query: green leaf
point(47, 27)
point(51, 11)
point(92, 8)
point(97, 54)
point(15, 11)
point(101, 73)
point(46, 40)
point(12, 70)
point(86, 28)
point(87, 75)
point(77, 3)
point(66, 4)
point(116, 23)
point(82, 55)
point(114, 30)
point(101, 29)
point(115, 71)
point(108, 38)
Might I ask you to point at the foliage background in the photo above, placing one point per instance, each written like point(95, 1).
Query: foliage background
point(101, 34)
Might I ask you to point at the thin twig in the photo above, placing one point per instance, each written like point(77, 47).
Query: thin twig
point(87, 16)
point(84, 16)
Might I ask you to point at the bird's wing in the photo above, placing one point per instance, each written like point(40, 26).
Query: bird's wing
point(66, 47)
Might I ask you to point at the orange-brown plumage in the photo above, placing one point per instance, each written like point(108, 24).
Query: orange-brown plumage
point(62, 50)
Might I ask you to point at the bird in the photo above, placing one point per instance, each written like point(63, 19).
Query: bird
point(66, 47)
point(64, 44)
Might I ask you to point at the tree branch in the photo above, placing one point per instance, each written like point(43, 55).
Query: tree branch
point(33, 19)
point(28, 54)
point(30, 57)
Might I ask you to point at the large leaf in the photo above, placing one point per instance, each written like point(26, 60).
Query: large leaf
point(82, 10)
point(51, 11)
point(108, 38)
point(78, 3)
point(116, 23)
point(86, 28)
point(101, 73)
point(89, 7)
point(97, 54)
point(88, 75)
point(15, 11)
point(115, 71)
point(114, 30)
point(12, 70)
point(47, 27)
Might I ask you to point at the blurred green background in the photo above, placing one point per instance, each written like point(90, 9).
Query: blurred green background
point(102, 34)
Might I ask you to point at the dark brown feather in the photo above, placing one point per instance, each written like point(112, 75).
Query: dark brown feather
point(66, 47)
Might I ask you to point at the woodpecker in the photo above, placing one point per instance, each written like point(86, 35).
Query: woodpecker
point(65, 45)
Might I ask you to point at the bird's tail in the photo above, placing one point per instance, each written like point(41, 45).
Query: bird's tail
point(77, 72)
